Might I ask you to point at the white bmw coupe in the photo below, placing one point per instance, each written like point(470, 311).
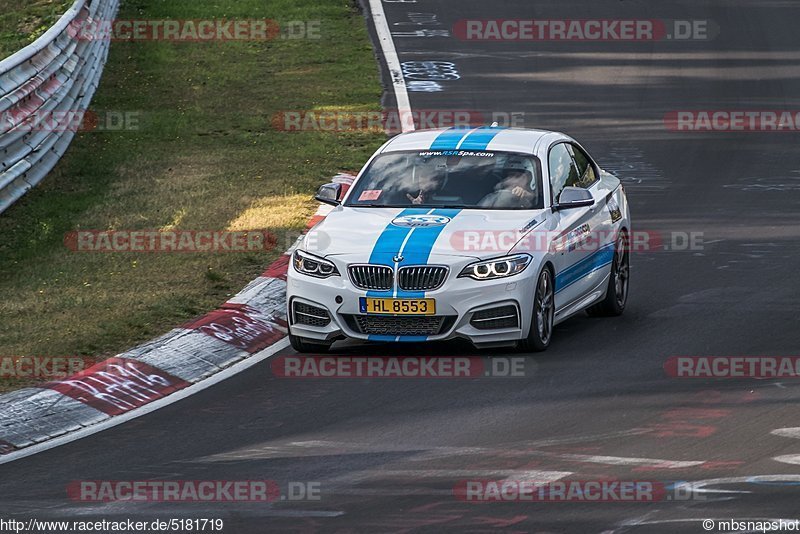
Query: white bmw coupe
point(489, 234)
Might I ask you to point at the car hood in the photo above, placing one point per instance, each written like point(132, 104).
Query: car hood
point(418, 234)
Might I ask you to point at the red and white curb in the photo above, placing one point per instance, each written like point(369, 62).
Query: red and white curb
point(248, 328)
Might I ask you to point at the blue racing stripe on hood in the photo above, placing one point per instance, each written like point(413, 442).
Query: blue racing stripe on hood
point(414, 244)
point(389, 243)
point(480, 138)
point(392, 238)
point(419, 246)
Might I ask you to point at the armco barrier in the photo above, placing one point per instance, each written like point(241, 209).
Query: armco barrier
point(52, 77)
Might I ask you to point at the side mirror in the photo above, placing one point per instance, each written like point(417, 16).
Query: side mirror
point(573, 197)
point(329, 194)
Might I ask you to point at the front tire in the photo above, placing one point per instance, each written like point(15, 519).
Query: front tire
point(304, 346)
point(617, 292)
point(541, 330)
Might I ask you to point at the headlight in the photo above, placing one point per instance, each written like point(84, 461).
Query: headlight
point(313, 265)
point(496, 268)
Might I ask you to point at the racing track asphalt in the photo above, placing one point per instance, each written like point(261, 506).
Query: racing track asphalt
point(597, 405)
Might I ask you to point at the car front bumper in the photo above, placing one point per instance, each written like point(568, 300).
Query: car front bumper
point(457, 303)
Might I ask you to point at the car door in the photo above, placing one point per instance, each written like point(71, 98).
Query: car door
point(578, 250)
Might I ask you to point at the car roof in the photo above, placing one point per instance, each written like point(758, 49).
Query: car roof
point(494, 138)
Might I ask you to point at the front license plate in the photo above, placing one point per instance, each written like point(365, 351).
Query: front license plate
point(398, 306)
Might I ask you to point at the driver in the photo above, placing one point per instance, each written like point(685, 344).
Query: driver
point(517, 183)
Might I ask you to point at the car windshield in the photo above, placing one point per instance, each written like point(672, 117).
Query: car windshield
point(452, 179)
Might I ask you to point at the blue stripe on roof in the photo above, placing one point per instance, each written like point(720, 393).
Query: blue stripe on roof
point(480, 138)
point(449, 139)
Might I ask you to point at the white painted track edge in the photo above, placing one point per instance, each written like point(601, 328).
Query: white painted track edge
point(393, 64)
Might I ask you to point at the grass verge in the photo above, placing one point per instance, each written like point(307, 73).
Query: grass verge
point(22, 21)
point(198, 152)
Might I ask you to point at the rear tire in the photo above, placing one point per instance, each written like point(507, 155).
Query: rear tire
point(617, 292)
point(541, 330)
point(304, 346)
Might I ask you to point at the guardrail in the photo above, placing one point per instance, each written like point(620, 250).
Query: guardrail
point(49, 80)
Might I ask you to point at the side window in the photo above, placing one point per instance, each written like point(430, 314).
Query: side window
point(562, 169)
point(586, 174)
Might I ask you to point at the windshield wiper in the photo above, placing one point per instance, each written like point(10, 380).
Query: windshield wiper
point(375, 206)
point(422, 206)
